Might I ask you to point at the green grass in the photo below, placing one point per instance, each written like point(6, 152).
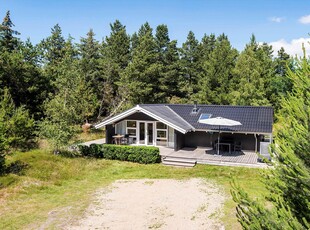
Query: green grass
point(93, 134)
point(53, 189)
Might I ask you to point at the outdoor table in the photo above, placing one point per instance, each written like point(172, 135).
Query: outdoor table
point(118, 139)
point(228, 144)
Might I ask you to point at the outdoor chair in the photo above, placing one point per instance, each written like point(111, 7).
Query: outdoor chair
point(237, 146)
point(125, 139)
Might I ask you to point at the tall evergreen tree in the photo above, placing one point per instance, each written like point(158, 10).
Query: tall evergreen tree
point(24, 80)
point(53, 46)
point(207, 45)
point(52, 51)
point(89, 66)
point(214, 85)
point(139, 82)
point(280, 84)
point(288, 183)
point(8, 42)
point(252, 74)
point(191, 65)
point(116, 56)
point(168, 64)
point(118, 44)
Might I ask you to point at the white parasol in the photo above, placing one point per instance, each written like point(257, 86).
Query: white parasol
point(219, 121)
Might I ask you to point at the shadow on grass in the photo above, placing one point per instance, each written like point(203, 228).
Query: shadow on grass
point(16, 167)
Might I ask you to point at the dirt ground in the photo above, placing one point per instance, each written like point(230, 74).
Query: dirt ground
point(155, 204)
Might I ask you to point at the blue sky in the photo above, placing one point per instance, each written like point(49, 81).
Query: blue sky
point(278, 22)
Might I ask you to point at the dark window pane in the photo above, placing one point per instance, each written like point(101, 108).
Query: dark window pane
point(160, 125)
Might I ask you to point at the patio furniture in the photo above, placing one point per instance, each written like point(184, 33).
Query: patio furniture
point(125, 139)
point(219, 121)
point(117, 139)
point(237, 146)
point(223, 144)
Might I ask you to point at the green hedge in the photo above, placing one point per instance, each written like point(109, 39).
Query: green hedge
point(139, 154)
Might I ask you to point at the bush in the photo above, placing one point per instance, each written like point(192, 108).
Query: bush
point(139, 154)
point(93, 150)
point(16, 126)
point(69, 153)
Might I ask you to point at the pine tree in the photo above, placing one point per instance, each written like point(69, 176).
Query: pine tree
point(24, 80)
point(52, 51)
point(289, 182)
point(89, 67)
point(139, 81)
point(168, 64)
point(220, 59)
point(252, 74)
point(7, 40)
point(191, 65)
point(118, 43)
point(116, 56)
point(53, 46)
point(16, 125)
point(207, 45)
point(280, 84)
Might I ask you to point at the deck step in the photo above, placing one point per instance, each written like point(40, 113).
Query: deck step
point(180, 159)
point(177, 161)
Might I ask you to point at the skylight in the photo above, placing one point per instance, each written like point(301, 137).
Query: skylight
point(205, 116)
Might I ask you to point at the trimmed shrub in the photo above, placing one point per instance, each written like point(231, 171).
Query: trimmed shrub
point(138, 154)
point(93, 150)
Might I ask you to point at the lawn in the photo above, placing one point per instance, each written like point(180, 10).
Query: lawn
point(51, 189)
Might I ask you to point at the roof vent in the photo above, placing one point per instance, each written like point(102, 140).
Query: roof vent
point(195, 109)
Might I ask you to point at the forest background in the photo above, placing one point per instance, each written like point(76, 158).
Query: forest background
point(58, 84)
point(48, 90)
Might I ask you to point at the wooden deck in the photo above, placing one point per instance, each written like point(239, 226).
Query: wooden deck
point(209, 156)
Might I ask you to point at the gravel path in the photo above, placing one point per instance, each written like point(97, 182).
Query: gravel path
point(155, 204)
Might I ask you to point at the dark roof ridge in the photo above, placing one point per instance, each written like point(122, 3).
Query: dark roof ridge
point(240, 106)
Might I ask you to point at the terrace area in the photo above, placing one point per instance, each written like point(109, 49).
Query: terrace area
point(208, 156)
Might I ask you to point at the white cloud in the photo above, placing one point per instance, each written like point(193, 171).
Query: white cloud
point(305, 19)
point(277, 19)
point(294, 47)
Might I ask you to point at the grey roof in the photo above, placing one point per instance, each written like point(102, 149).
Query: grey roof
point(254, 119)
point(167, 114)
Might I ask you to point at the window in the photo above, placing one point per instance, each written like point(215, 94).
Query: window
point(160, 125)
point(131, 124)
point(161, 134)
point(131, 130)
point(120, 128)
point(205, 116)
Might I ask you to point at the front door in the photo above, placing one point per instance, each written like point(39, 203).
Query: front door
point(146, 133)
point(141, 135)
point(149, 133)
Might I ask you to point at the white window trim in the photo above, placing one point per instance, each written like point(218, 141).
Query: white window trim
point(162, 138)
point(131, 128)
point(155, 130)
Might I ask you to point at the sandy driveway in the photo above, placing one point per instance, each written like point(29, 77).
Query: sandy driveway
point(155, 204)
